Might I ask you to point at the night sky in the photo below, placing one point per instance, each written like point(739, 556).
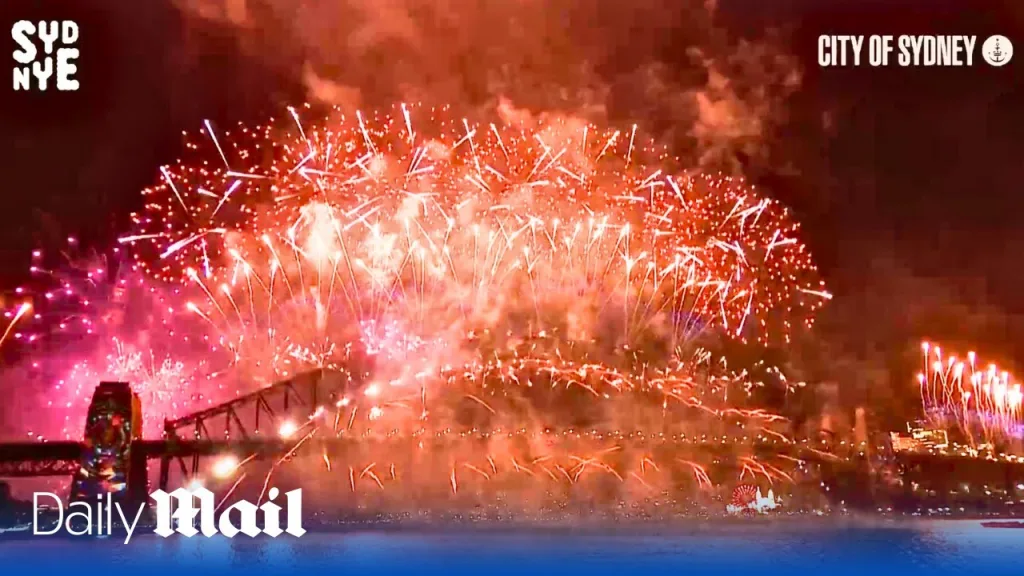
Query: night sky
point(908, 181)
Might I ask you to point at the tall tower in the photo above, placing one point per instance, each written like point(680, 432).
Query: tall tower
point(108, 464)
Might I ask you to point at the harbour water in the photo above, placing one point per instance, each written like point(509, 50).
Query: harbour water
point(932, 547)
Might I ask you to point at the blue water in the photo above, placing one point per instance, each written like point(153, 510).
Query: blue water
point(933, 548)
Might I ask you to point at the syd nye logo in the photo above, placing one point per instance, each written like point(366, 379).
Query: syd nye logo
point(31, 63)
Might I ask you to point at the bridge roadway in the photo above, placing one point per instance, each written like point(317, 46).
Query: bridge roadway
point(35, 459)
point(28, 459)
point(234, 427)
point(62, 458)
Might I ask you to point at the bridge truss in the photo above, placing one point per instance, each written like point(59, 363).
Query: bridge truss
point(29, 459)
point(254, 420)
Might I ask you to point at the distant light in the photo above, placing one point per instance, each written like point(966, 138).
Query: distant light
point(225, 467)
point(287, 429)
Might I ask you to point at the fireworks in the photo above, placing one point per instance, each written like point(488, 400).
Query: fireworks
point(445, 223)
point(95, 318)
point(535, 295)
point(983, 403)
point(467, 240)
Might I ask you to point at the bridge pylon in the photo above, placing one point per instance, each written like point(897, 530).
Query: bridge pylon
point(107, 463)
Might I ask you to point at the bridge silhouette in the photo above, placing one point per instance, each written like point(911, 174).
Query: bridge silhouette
point(251, 425)
point(236, 426)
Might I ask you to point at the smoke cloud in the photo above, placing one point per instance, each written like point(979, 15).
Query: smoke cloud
point(667, 67)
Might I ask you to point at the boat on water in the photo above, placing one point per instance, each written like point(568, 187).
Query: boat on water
point(1002, 524)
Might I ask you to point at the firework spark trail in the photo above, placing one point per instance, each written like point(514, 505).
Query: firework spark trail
point(22, 311)
point(558, 455)
point(397, 221)
point(985, 404)
point(465, 238)
point(69, 297)
point(498, 282)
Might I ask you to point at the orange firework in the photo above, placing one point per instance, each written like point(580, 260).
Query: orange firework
point(449, 219)
point(511, 303)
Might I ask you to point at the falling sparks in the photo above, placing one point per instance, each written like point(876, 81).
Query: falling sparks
point(480, 288)
point(362, 218)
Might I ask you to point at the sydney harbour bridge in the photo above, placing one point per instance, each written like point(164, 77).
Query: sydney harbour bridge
point(254, 425)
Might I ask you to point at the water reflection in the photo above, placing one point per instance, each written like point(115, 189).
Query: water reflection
point(933, 548)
